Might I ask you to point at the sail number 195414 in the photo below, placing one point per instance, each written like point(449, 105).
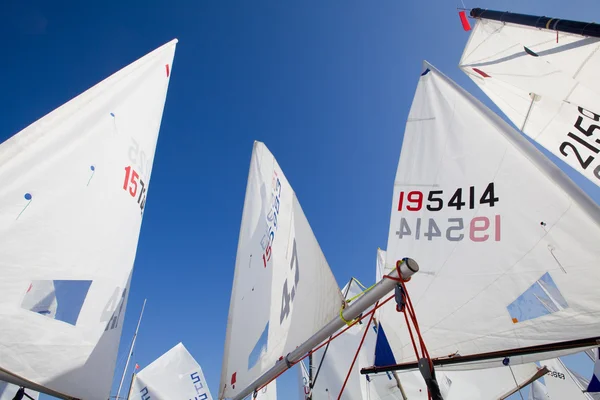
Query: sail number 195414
point(414, 200)
point(477, 229)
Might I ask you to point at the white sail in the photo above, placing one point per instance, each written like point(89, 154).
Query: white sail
point(538, 391)
point(487, 217)
point(560, 382)
point(73, 190)
point(283, 289)
point(174, 375)
point(549, 90)
point(303, 381)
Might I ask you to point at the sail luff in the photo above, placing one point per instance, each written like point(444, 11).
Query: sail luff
point(367, 300)
point(230, 314)
point(561, 25)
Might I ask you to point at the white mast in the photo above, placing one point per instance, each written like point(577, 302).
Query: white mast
point(131, 350)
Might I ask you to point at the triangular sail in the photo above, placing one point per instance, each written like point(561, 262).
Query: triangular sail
point(73, 190)
point(283, 290)
point(549, 90)
point(488, 217)
point(174, 375)
point(560, 382)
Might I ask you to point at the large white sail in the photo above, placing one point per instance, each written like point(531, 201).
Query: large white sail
point(174, 375)
point(283, 289)
point(487, 217)
point(561, 383)
point(74, 186)
point(549, 90)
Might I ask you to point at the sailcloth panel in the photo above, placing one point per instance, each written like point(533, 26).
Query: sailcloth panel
point(174, 375)
point(561, 384)
point(550, 99)
point(283, 290)
point(504, 240)
point(538, 391)
point(69, 226)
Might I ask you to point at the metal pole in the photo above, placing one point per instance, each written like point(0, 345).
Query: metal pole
point(131, 386)
point(574, 345)
point(131, 350)
point(408, 267)
point(562, 25)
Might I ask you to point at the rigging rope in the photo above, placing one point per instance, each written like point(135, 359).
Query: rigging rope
point(357, 320)
point(357, 351)
point(405, 306)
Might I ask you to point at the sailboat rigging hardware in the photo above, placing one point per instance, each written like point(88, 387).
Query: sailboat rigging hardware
point(407, 269)
point(560, 25)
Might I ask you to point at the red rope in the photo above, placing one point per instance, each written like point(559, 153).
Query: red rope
point(409, 312)
point(357, 351)
point(356, 321)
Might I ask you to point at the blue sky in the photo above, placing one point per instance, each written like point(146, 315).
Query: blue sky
point(327, 86)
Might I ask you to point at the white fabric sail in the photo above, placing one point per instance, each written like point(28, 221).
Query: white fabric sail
point(73, 190)
point(174, 375)
point(538, 391)
point(488, 218)
point(561, 383)
point(549, 90)
point(283, 290)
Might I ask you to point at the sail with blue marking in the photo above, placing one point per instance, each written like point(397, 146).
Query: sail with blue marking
point(174, 375)
point(281, 279)
point(73, 192)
